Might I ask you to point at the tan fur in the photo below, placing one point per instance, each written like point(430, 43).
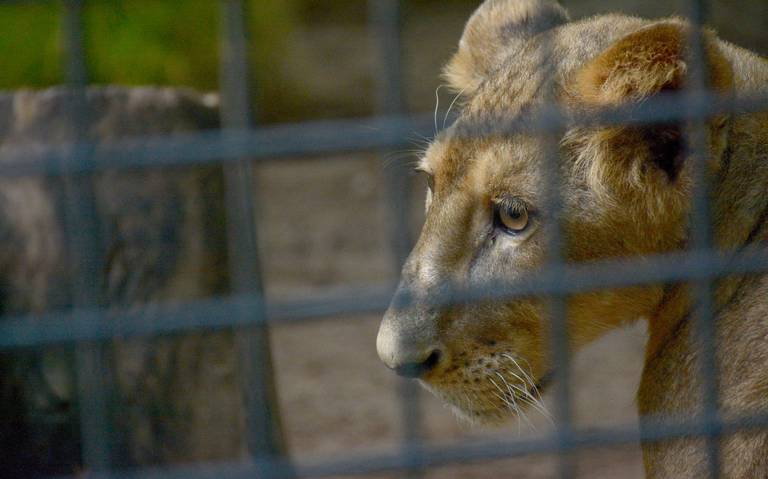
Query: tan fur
point(647, 62)
point(480, 50)
point(626, 191)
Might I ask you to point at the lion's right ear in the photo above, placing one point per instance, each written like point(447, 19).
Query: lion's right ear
point(646, 62)
point(491, 31)
point(643, 64)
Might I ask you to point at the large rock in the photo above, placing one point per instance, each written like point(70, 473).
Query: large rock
point(177, 398)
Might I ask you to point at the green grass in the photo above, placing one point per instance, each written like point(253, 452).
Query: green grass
point(29, 45)
point(137, 42)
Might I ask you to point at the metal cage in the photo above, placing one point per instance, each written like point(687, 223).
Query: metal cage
point(240, 143)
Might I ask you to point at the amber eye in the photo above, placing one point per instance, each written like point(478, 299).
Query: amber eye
point(512, 217)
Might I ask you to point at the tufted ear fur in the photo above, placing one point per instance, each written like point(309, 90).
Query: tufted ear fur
point(491, 31)
point(645, 63)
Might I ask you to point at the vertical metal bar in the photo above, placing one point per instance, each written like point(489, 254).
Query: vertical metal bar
point(263, 426)
point(702, 240)
point(386, 24)
point(558, 311)
point(94, 372)
point(76, 70)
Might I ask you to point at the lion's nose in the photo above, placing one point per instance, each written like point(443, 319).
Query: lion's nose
point(406, 354)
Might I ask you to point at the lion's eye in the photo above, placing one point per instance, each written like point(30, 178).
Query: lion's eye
point(512, 217)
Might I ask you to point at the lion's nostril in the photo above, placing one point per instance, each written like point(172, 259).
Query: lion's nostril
point(432, 360)
point(418, 369)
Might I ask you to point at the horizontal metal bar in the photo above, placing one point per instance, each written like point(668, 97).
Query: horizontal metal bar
point(218, 313)
point(210, 314)
point(326, 137)
point(612, 274)
point(215, 146)
point(462, 452)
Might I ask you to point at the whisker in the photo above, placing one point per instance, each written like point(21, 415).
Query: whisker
point(513, 397)
point(411, 158)
point(526, 396)
point(420, 141)
point(437, 104)
point(455, 99)
point(537, 405)
point(506, 399)
point(534, 402)
point(522, 371)
point(499, 388)
point(534, 387)
point(530, 381)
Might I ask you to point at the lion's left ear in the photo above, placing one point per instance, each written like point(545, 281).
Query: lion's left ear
point(650, 61)
point(495, 28)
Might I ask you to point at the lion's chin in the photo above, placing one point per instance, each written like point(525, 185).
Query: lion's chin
point(472, 407)
point(480, 417)
point(489, 412)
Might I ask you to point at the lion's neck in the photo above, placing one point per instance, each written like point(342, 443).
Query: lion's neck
point(740, 206)
point(740, 199)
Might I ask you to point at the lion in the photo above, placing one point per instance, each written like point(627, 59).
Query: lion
point(626, 191)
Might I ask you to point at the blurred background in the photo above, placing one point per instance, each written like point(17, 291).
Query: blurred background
point(311, 59)
point(324, 225)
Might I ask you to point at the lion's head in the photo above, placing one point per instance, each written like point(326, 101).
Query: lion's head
point(625, 191)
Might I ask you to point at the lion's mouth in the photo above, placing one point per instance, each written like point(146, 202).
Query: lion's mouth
point(544, 381)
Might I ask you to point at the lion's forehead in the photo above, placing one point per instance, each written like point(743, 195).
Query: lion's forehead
point(488, 166)
point(475, 154)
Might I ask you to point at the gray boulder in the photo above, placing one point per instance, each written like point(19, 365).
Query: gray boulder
point(177, 398)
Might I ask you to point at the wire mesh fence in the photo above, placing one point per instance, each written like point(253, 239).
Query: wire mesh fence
point(240, 143)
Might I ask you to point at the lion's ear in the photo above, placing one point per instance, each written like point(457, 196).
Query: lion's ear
point(647, 62)
point(491, 31)
point(643, 64)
